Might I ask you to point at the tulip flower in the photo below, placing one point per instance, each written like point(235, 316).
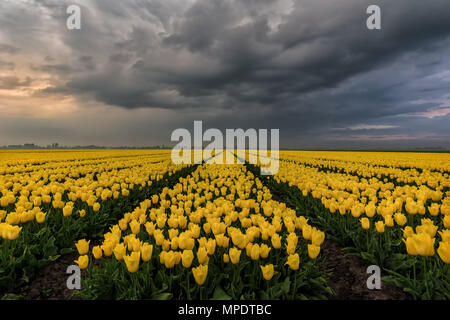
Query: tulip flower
point(255, 252)
point(444, 251)
point(264, 251)
point(146, 251)
point(211, 246)
point(379, 225)
point(187, 257)
point(235, 255)
point(427, 228)
point(400, 219)
point(200, 273)
point(135, 227)
point(313, 251)
point(97, 252)
point(317, 237)
point(108, 247)
point(132, 261)
point(293, 261)
point(445, 235)
point(365, 223)
point(67, 211)
point(202, 255)
point(170, 259)
point(40, 217)
point(226, 258)
point(96, 207)
point(306, 232)
point(267, 271)
point(446, 221)
point(407, 232)
point(420, 244)
point(119, 251)
point(82, 246)
point(276, 241)
point(82, 261)
point(389, 222)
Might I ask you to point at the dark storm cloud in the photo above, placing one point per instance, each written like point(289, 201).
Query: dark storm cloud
point(310, 68)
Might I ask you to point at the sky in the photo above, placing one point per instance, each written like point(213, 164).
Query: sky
point(139, 69)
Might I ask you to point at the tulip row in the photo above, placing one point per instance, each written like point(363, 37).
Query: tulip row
point(37, 230)
point(395, 228)
point(219, 221)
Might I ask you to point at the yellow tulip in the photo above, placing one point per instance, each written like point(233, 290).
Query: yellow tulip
point(420, 244)
point(276, 241)
point(96, 207)
point(135, 227)
point(82, 246)
point(82, 261)
point(67, 211)
point(317, 237)
point(255, 252)
point(202, 255)
point(446, 221)
point(379, 225)
point(389, 222)
point(170, 259)
point(211, 246)
point(444, 251)
point(293, 261)
point(445, 235)
point(365, 223)
point(40, 217)
point(108, 247)
point(146, 251)
point(408, 232)
point(187, 257)
point(313, 251)
point(264, 251)
point(306, 232)
point(200, 273)
point(267, 271)
point(427, 228)
point(290, 248)
point(400, 219)
point(82, 213)
point(226, 258)
point(97, 252)
point(11, 232)
point(410, 247)
point(119, 251)
point(370, 210)
point(235, 255)
point(132, 261)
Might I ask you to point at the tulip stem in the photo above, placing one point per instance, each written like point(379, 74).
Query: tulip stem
point(425, 276)
point(188, 288)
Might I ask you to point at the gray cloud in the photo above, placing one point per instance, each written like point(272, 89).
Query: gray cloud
point(306, 67)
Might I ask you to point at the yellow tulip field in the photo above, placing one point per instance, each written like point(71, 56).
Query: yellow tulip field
point(142, 227)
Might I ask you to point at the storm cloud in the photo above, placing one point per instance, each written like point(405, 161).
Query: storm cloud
point(310, 68)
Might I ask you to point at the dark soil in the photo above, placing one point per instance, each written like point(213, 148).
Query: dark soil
point(349, 277)
point(51, 283)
